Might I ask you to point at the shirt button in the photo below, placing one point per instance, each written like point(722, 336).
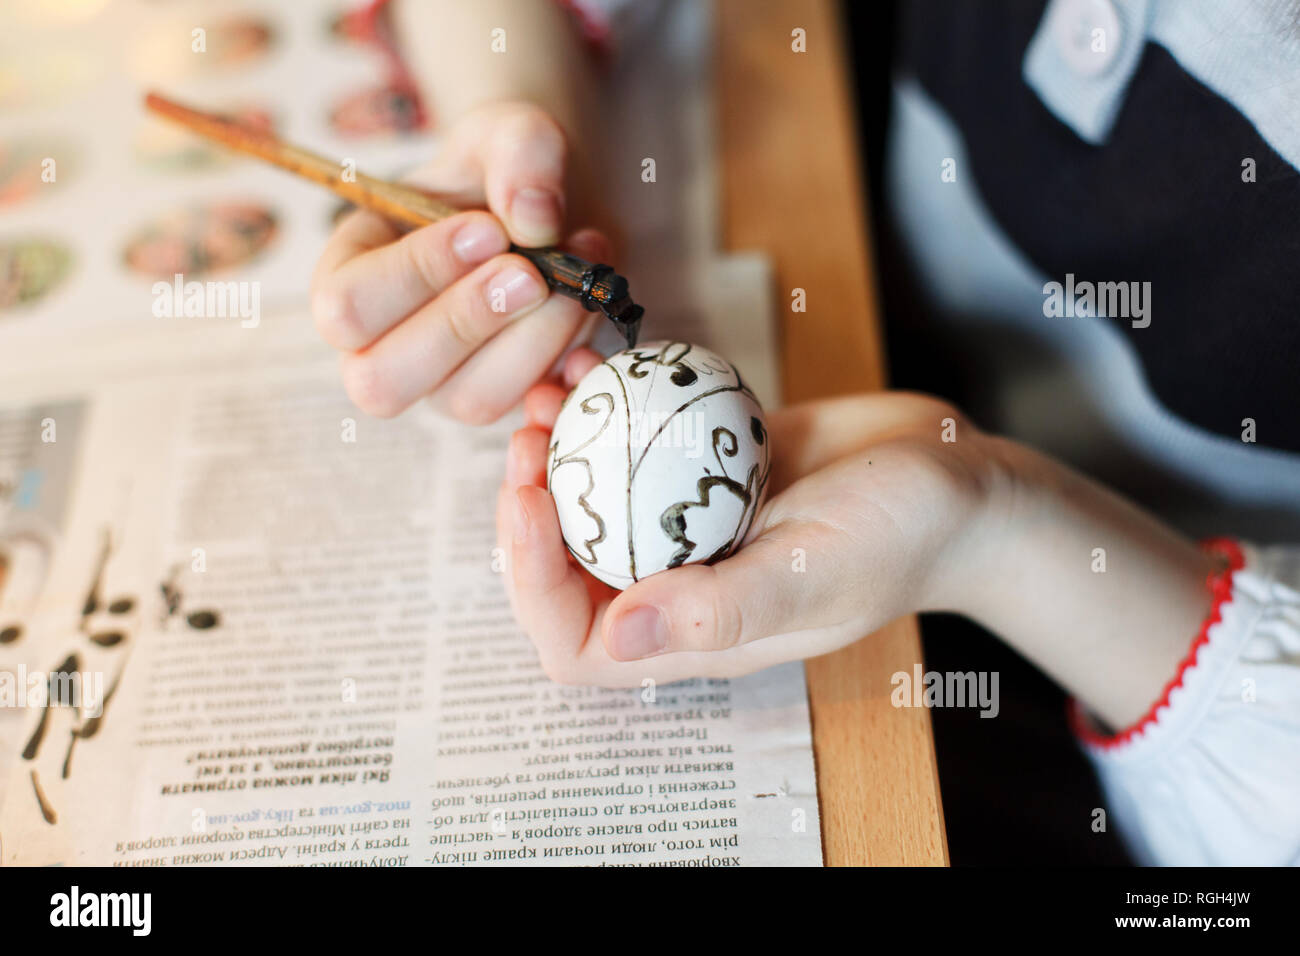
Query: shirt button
point(1088, 34)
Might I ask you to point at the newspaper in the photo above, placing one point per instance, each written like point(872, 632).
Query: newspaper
point(292, 644)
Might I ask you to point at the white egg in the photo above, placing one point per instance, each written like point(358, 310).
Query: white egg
point(660, 457)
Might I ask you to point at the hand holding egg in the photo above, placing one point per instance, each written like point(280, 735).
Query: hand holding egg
point(866, 513)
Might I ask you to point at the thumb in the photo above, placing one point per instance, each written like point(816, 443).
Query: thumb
point(760, 591)
point(524, 162)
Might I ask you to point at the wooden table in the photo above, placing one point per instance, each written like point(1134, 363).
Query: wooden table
point(791, 188)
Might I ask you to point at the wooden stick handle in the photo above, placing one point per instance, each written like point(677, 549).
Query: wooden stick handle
point(403, 203)
point(595, 286)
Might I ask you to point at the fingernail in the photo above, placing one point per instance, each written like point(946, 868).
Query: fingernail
point(522, 523)
point(535, 215)
point(479, 240)
point(512, 289)
point(637, 634)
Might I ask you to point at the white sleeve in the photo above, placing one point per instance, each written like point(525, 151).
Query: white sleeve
point(1211, 775)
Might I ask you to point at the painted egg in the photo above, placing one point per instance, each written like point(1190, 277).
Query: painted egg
point(199, 240)
point(659, 458)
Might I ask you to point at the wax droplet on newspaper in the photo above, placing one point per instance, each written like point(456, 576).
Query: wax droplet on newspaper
point(202, 620)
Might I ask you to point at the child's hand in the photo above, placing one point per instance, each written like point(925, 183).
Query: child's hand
point(444, 311)
point(871, 516)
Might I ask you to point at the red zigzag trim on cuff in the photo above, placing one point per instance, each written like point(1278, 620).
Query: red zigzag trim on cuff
point(1219, 583)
